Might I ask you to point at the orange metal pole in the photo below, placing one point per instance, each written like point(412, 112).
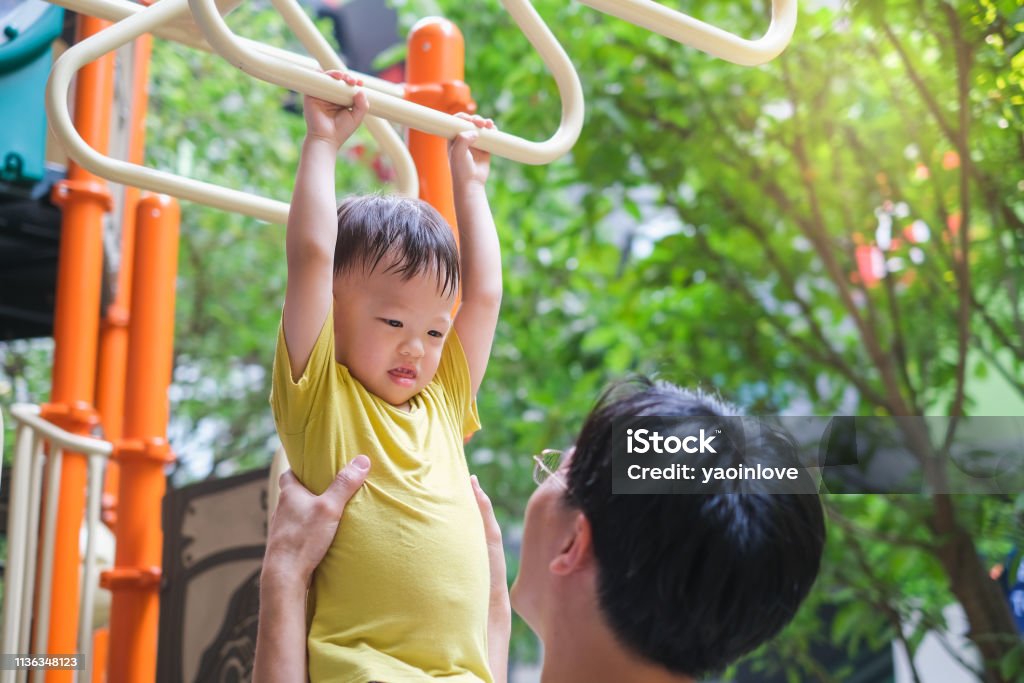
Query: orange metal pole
point(100, 645)
point(114, 326)
point(84, 199)
point(436, 68)
point(143, 451)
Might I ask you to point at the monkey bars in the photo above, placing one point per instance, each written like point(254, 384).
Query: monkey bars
point(167, 18)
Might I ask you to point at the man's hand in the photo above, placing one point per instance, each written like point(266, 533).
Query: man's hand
point(332, 122)
point(304, 525)
point(301, 530)
point(499, 613)
point(468, 164)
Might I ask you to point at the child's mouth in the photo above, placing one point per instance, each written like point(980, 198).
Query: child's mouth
point(405, 377)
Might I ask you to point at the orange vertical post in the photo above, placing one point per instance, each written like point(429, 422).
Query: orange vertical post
point(84, 199)
point(143, 451)
point(100, 645)
point(114, 326)
point(435, 71)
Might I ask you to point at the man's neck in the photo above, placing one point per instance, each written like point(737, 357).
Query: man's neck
point(593, 655)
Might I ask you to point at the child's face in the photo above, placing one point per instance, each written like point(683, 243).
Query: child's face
point(389, 332)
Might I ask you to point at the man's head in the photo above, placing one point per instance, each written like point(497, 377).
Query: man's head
point(396, 273)
point(686, 582)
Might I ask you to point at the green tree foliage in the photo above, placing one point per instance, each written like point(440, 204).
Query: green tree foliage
point(719, 222)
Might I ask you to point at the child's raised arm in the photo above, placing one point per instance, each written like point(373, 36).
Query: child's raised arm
point(312, 222)
point(479, 251)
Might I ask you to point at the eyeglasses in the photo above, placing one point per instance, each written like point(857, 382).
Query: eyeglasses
point(545, 466)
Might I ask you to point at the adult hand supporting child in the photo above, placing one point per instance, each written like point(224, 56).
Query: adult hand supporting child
point(499, 612)
point(301, 529)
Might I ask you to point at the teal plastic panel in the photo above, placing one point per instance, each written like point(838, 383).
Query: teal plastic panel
point(25, 58)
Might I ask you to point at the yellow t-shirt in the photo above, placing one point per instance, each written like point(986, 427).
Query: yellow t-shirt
point(402, 593)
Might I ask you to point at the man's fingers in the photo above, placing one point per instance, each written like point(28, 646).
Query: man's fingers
point(286, 479)
point(348, 481)
point(492, 530)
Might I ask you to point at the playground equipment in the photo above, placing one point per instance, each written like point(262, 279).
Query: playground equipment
point(135, 347)
point(277, 68)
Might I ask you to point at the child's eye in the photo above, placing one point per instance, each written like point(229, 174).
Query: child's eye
point(435, 333)
point(393, 323)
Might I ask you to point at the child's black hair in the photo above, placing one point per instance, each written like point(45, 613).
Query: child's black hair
point(407, 236)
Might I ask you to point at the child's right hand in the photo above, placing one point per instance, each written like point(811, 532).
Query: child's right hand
point(332, 122)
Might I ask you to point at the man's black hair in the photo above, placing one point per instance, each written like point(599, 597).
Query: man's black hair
point(408, 236)
point(693, 581)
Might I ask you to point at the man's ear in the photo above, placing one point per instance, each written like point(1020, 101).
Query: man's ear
point(578, 552)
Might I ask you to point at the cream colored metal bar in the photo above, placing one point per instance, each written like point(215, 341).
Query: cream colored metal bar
point(391, 144)
point(53, 467)
point(28, 414)
point(94, 495)
point(685, 29)
point(398, 110)
point(122, 171)
point(35, 500)
point(18, 541)
point(187, 34)
point(184, 31)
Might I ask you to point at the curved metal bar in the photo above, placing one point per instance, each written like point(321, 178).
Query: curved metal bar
point(685, 29)
point(98, 45)
point(187, 34)
point(390, 143)
point(124, 31)
point(295, 72)
point(288, 75)
point(28, 414)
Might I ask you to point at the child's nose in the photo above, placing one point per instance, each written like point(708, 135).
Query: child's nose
point(412, 347)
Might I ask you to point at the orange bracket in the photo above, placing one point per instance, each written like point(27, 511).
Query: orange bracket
point(80, 417)
point(141, 450)
point(64, 190)
point(450, 97)
point(128, 578)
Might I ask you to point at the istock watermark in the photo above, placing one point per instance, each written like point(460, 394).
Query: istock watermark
point(642, 441)
point(839, 454)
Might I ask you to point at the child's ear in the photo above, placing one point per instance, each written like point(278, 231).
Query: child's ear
point(578, 553)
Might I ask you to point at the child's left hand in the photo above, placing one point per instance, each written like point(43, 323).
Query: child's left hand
point(468, 164)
